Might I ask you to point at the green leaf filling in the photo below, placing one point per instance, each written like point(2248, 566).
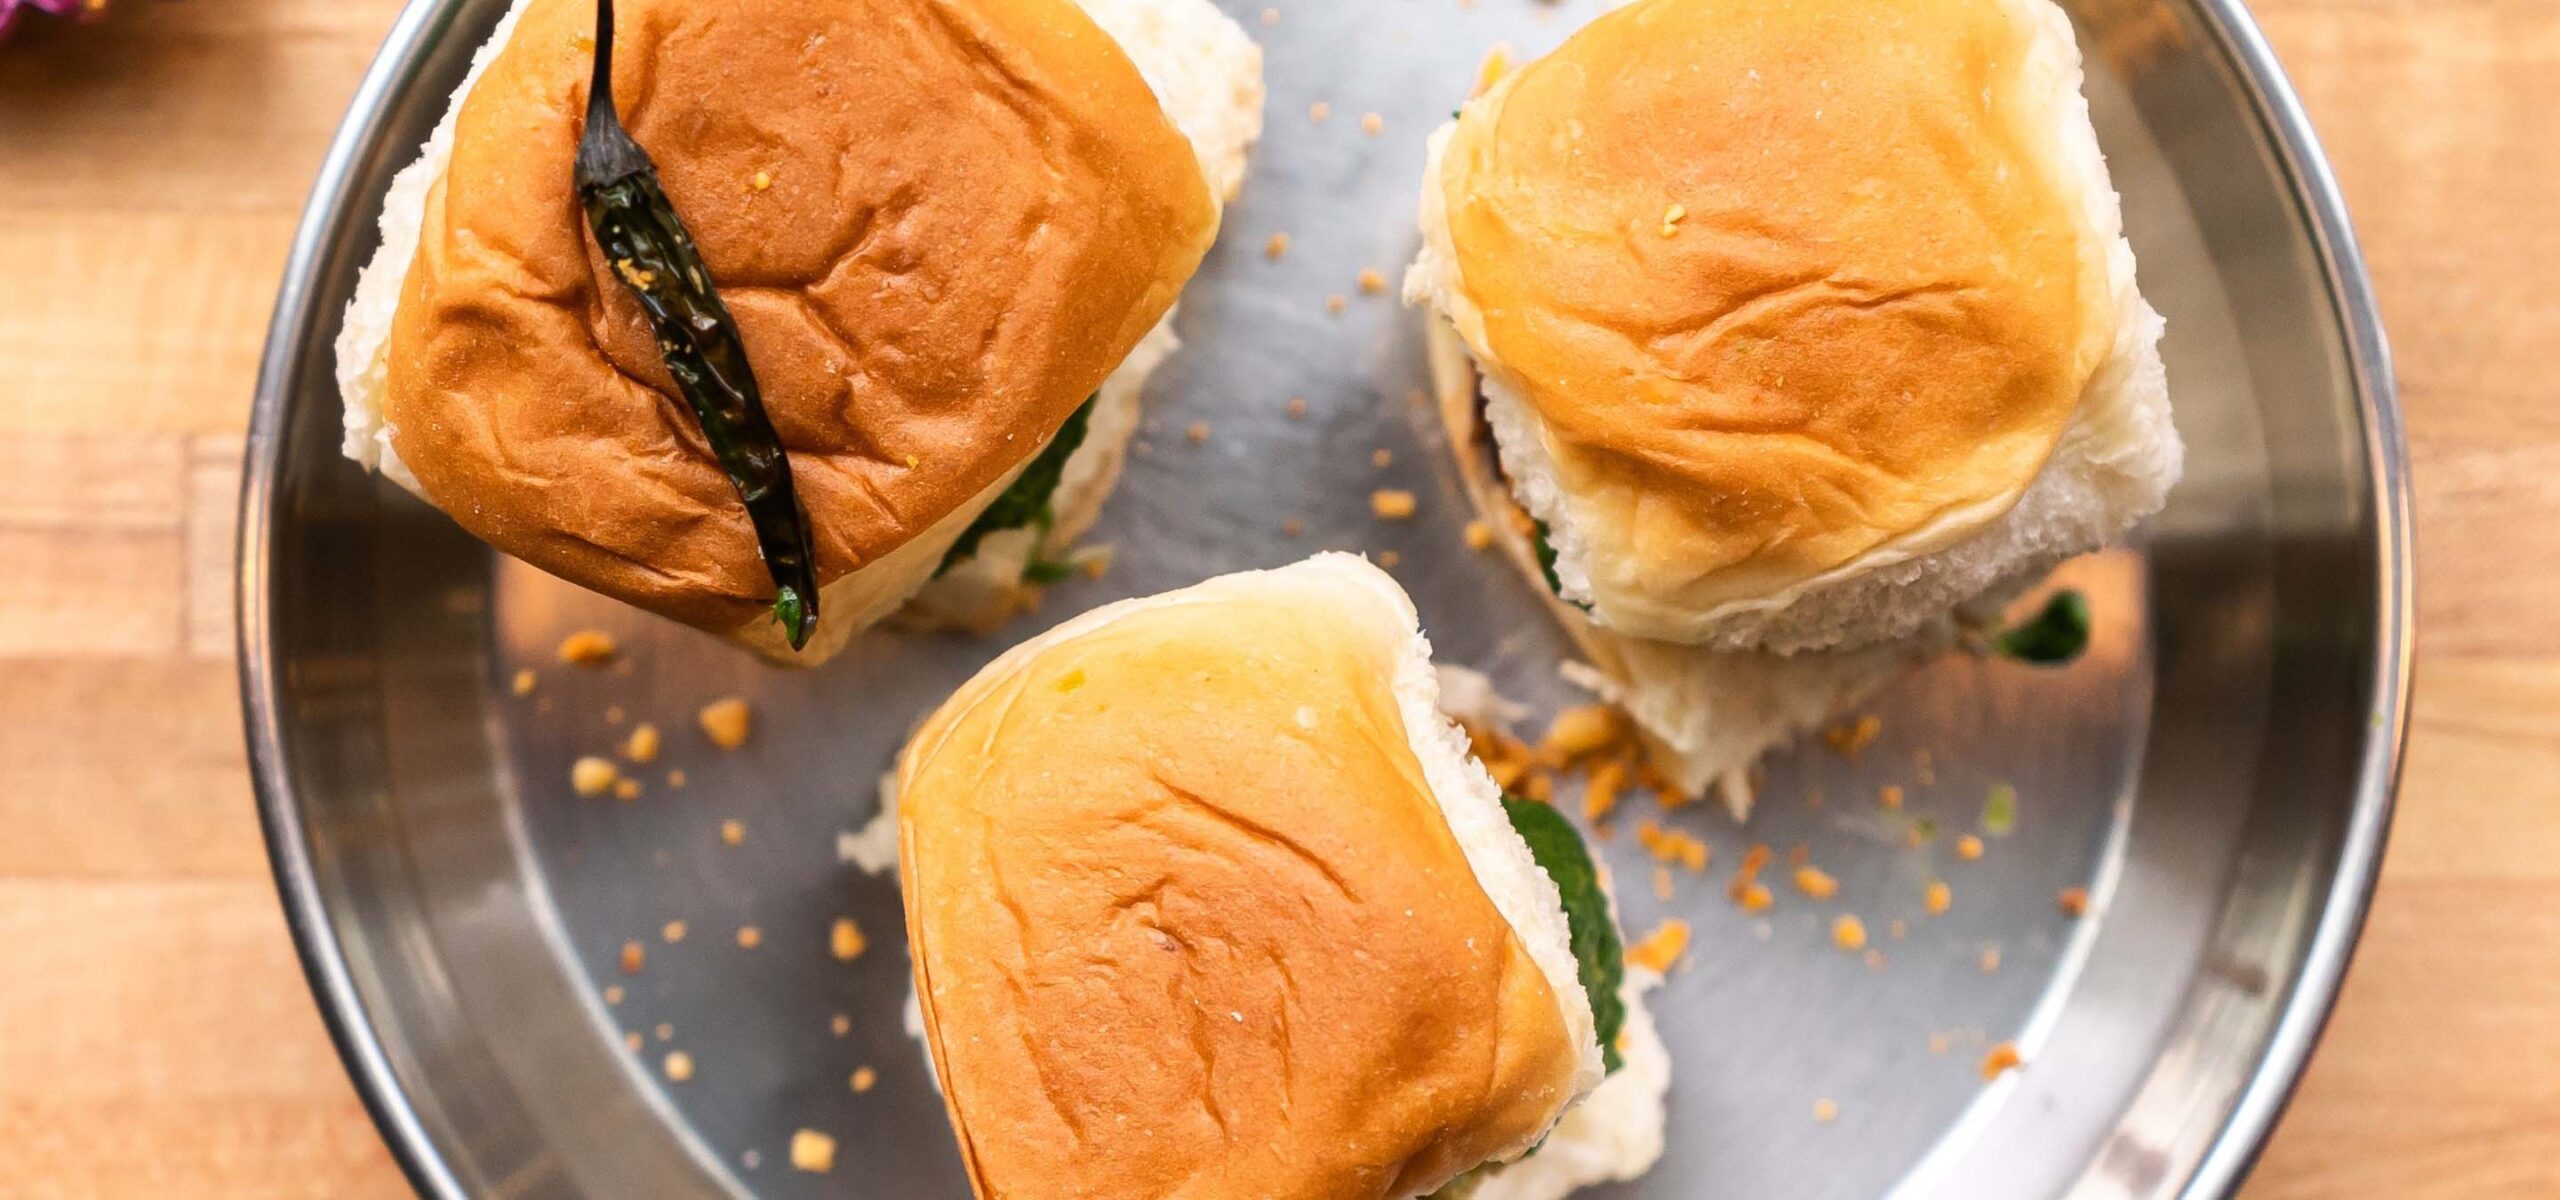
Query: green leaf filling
point(2053, 636)
point(1026, 502)
point(1546, 552)
point(1599, 959)
point(2000, 810)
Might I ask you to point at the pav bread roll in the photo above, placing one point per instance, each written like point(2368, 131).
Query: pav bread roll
point(1205, 898)
point(942, 226)
point(1801, 322)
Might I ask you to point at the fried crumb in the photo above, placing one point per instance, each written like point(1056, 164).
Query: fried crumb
point(2001, 1060)
point(587, 648)
point(839, 1024)
point(1671, 219)
point(1673, 846)
point(634, 957)
point(1391, 504)
point(1297, 406)
point(1372, 124)
point(1849, 737)
point(679, 1066)
point(1939, 898)
point(733, 832)
point(1387, 560)
point(1197, 433)
point(613, 714)
point(1319, 112)
point(1292, 527)
point(1848, 932)
point(864, 1079)
point(1826, 1110)
point(1600, 794)
point(762, 180)
point(626, 789)
point(1753, 897)
point(634, 1042)
point(665, 1032)
point(593, 775)
point(1662, 883)
point(749, 937)
point(1579, 732)
point(612, 994)
point(1371, 281)
point(525, 681)
point(1270, 17)
point(1382, 458)
point(1799, 854)
point(1817, 883)
point(674, 932)
point(1275, 246)
point(1662, 947)
point(1336, 302)
point(845, 940)
point(1937, 1043)
point(1890, 796)
point(726, 722)
point(676, 779)
point(1898, 929)
point(1990, 960)
point(812, 1151)
point(1479, 535)
point(1874, 959)
point(2074, 901)
point(1969, 848)
point(1924, 768)
point(642, 746)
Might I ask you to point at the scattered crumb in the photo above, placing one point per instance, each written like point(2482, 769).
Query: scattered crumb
point(1890, 796)
point(1662, 947)
point(1275, 246)
point(613, 714)
point(1874, 959)
point(1799, 854)
point(679, 1066)
point(1924, 768)
point(1391, 504)
point(1969, 847)
point(1753, 897)
point(1826, 1110)
point(1270, 17)
point(665, 1032)
point(593, 775)
point(525, 681)
point(725, 722)
point(1746, 881)
point(634, 957)
point(1817, 883)
point(1336, 302)
point(1600, 795)
point(1387, 560)
point(1382, 458)
point(1371, 281)
point(733, 832)
point(1581, 731)
point(812, 1151)
point(1937, 1043)
point(1849, 737)
point(1848, 932)
point(1319, 112)
point(1990, 960)
point(612, 994)
point(751, 1159)
point(845, 940)
point(749, 937)
point(1898, 930)
point(2074, 901)
point(1673, 846)
point(864, 1078)
point(634, 1042)
point(1372, 124)
point(587, 648)
point(626, 789)
point(676, 779)
point(840, 1024)
point(1662, 883)
point(642, 745)
point(1479, 535)
point(1297, 408)
point(2002, 1059)
point(1198, 432)
point(674, 932)
point(1292, 527)
point(1939, 898)
point(1671, 219)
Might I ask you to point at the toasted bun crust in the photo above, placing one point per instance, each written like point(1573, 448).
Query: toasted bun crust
point(975, 208)
point(1189, 919)
point(1855, 339)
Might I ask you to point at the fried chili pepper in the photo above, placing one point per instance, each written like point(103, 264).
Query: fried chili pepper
point(649, 249)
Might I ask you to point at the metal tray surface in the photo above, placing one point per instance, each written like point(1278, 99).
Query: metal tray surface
point(2217, 770)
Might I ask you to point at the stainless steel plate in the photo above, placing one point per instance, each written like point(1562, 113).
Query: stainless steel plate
point(2218, 771)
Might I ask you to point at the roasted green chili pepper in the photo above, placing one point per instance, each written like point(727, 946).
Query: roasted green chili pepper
point(2055, 635)
point(653, 254)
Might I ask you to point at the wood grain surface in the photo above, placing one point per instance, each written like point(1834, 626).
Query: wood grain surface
point(155, 1035)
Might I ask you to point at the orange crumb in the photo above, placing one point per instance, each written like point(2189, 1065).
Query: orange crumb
point(626, 789)
point(613, 993)
point(1815, 882)
point(1897, 930)
point(1939, 898)
point(864, 1078)
point(1372, 124)
point(642, 745)
point(1292, 527)
point(1753, 897)
point(726, 722)
point(676, 779)
point(840, 1024)
point(1198, 433)
point(1275, 246)
point(1673, 846)
point(1662, 947)
point(524, 682)
point(812, 1151)
point(1270, 16)
point(1874, 960)
point(1387, 560)
point(634, 1041)
point(587, 648)
point(1391, 504)
point(1319, 112)
point(1297, 407)
point(1799, 854)
point(1849, 737)
point(1969, 847)
point(1662, 883)
point(2074, 901)
point(845, 940)
point(592, 775)
point(1848, 932)
point(1937, 1043)
point(749, 937)
point(1336, 302)
point(1600, 795)
point(1990, 961)
point(1826, 1110)
point(1890, 796)
point(2002, 1059)
point(613, 714)
point(674, 932)
point(679, 1066)
point(1381, 457)
point(1579, 731)
point(1479, 535)
point(634, 957)
point(733, 832)
point(1371, 281)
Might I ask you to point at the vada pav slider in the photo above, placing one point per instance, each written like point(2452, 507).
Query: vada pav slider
point(1797, 326)
point(948, 233)
point(1206, 898)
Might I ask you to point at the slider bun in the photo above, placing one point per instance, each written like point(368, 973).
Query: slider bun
point(1206, 899)
point(1889, 354)
point(973, 210)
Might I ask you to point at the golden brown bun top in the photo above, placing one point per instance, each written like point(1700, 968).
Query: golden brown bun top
point(1187, 919)
point(969, 211)
point(1785, 281)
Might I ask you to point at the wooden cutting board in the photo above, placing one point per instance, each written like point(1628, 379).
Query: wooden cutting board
point(155, 1036)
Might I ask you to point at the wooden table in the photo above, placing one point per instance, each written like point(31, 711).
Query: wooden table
point(155, 1035)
